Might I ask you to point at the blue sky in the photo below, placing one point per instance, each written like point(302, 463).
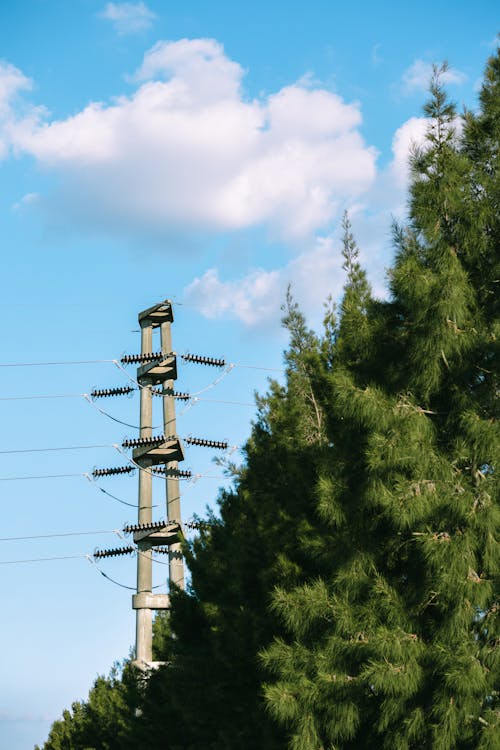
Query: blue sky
point(198, 151)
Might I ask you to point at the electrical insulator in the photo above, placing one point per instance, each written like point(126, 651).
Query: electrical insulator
point(153, 526)
point(145, 441)
point(170, 392)
point(105, 392)
point(174, 473)
point(201, 360)
point(115, 470)
point(197, 524)
point(220, 444)
point(99, 554)
point(130, 359)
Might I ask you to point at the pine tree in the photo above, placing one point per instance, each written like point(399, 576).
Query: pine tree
point(397, 647)
point(208, 696)
point(104, 721)
point(210, 693)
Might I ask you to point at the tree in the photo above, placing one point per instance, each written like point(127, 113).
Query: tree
point(102, 722)
point(210, 693)
point(397, 646)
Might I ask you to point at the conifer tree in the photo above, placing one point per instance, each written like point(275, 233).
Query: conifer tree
point(105, 720)
point(210, 693)
point(397, 647)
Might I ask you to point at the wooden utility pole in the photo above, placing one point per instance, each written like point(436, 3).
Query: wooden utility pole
point(149, 452)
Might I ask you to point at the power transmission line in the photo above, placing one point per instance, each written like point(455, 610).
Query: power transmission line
point(40, 476)
point(62, 534)
point(87, 397)
point(116, 362)
point(41, 559)
point(49, 364)
point(64, 448)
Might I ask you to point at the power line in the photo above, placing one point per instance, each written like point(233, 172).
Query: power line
point(192, 397)
point(41, 476)
point(49, 364)
point(85, 474)
point(41, 559)
point(68, 448)
point(258, 367)
point(47, 395)
point(106, 414)
point(188, 439)
point(105, 492)
point(75, 557)
point(116, 362)
point(117, 583)
point(53, 536)
point(189, 524)
point(219, 401)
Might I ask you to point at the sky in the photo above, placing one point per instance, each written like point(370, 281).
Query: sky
point(198, 152)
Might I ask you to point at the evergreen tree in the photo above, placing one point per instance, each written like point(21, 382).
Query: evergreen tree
point(397, 647)
point(210, 694)
point(102, 722)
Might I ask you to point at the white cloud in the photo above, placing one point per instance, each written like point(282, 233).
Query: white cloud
point(128, 18)
point(12, 82)
point(27, 200)
point(418, 76)
point(186, 150)
point(256, 298)
point(251, 299)
point(408, 136)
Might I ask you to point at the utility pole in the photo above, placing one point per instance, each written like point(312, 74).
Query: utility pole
point(148, 453)
point(155, 456)
point(176, 563)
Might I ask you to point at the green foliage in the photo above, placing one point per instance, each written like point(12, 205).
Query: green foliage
point(102, 722)
point(396, 644)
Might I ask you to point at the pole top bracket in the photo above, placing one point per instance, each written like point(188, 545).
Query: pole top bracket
point(159, 371)
point(168, 450)
point(158, 314)
point(166, 536)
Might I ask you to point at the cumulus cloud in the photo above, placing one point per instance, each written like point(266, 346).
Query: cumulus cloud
point(12, 83)
point(419, 74)
point(255, 299)
point(187, 150)
point(408, 136)
point(251, 299)
point(315, 273)
point(128, 18)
